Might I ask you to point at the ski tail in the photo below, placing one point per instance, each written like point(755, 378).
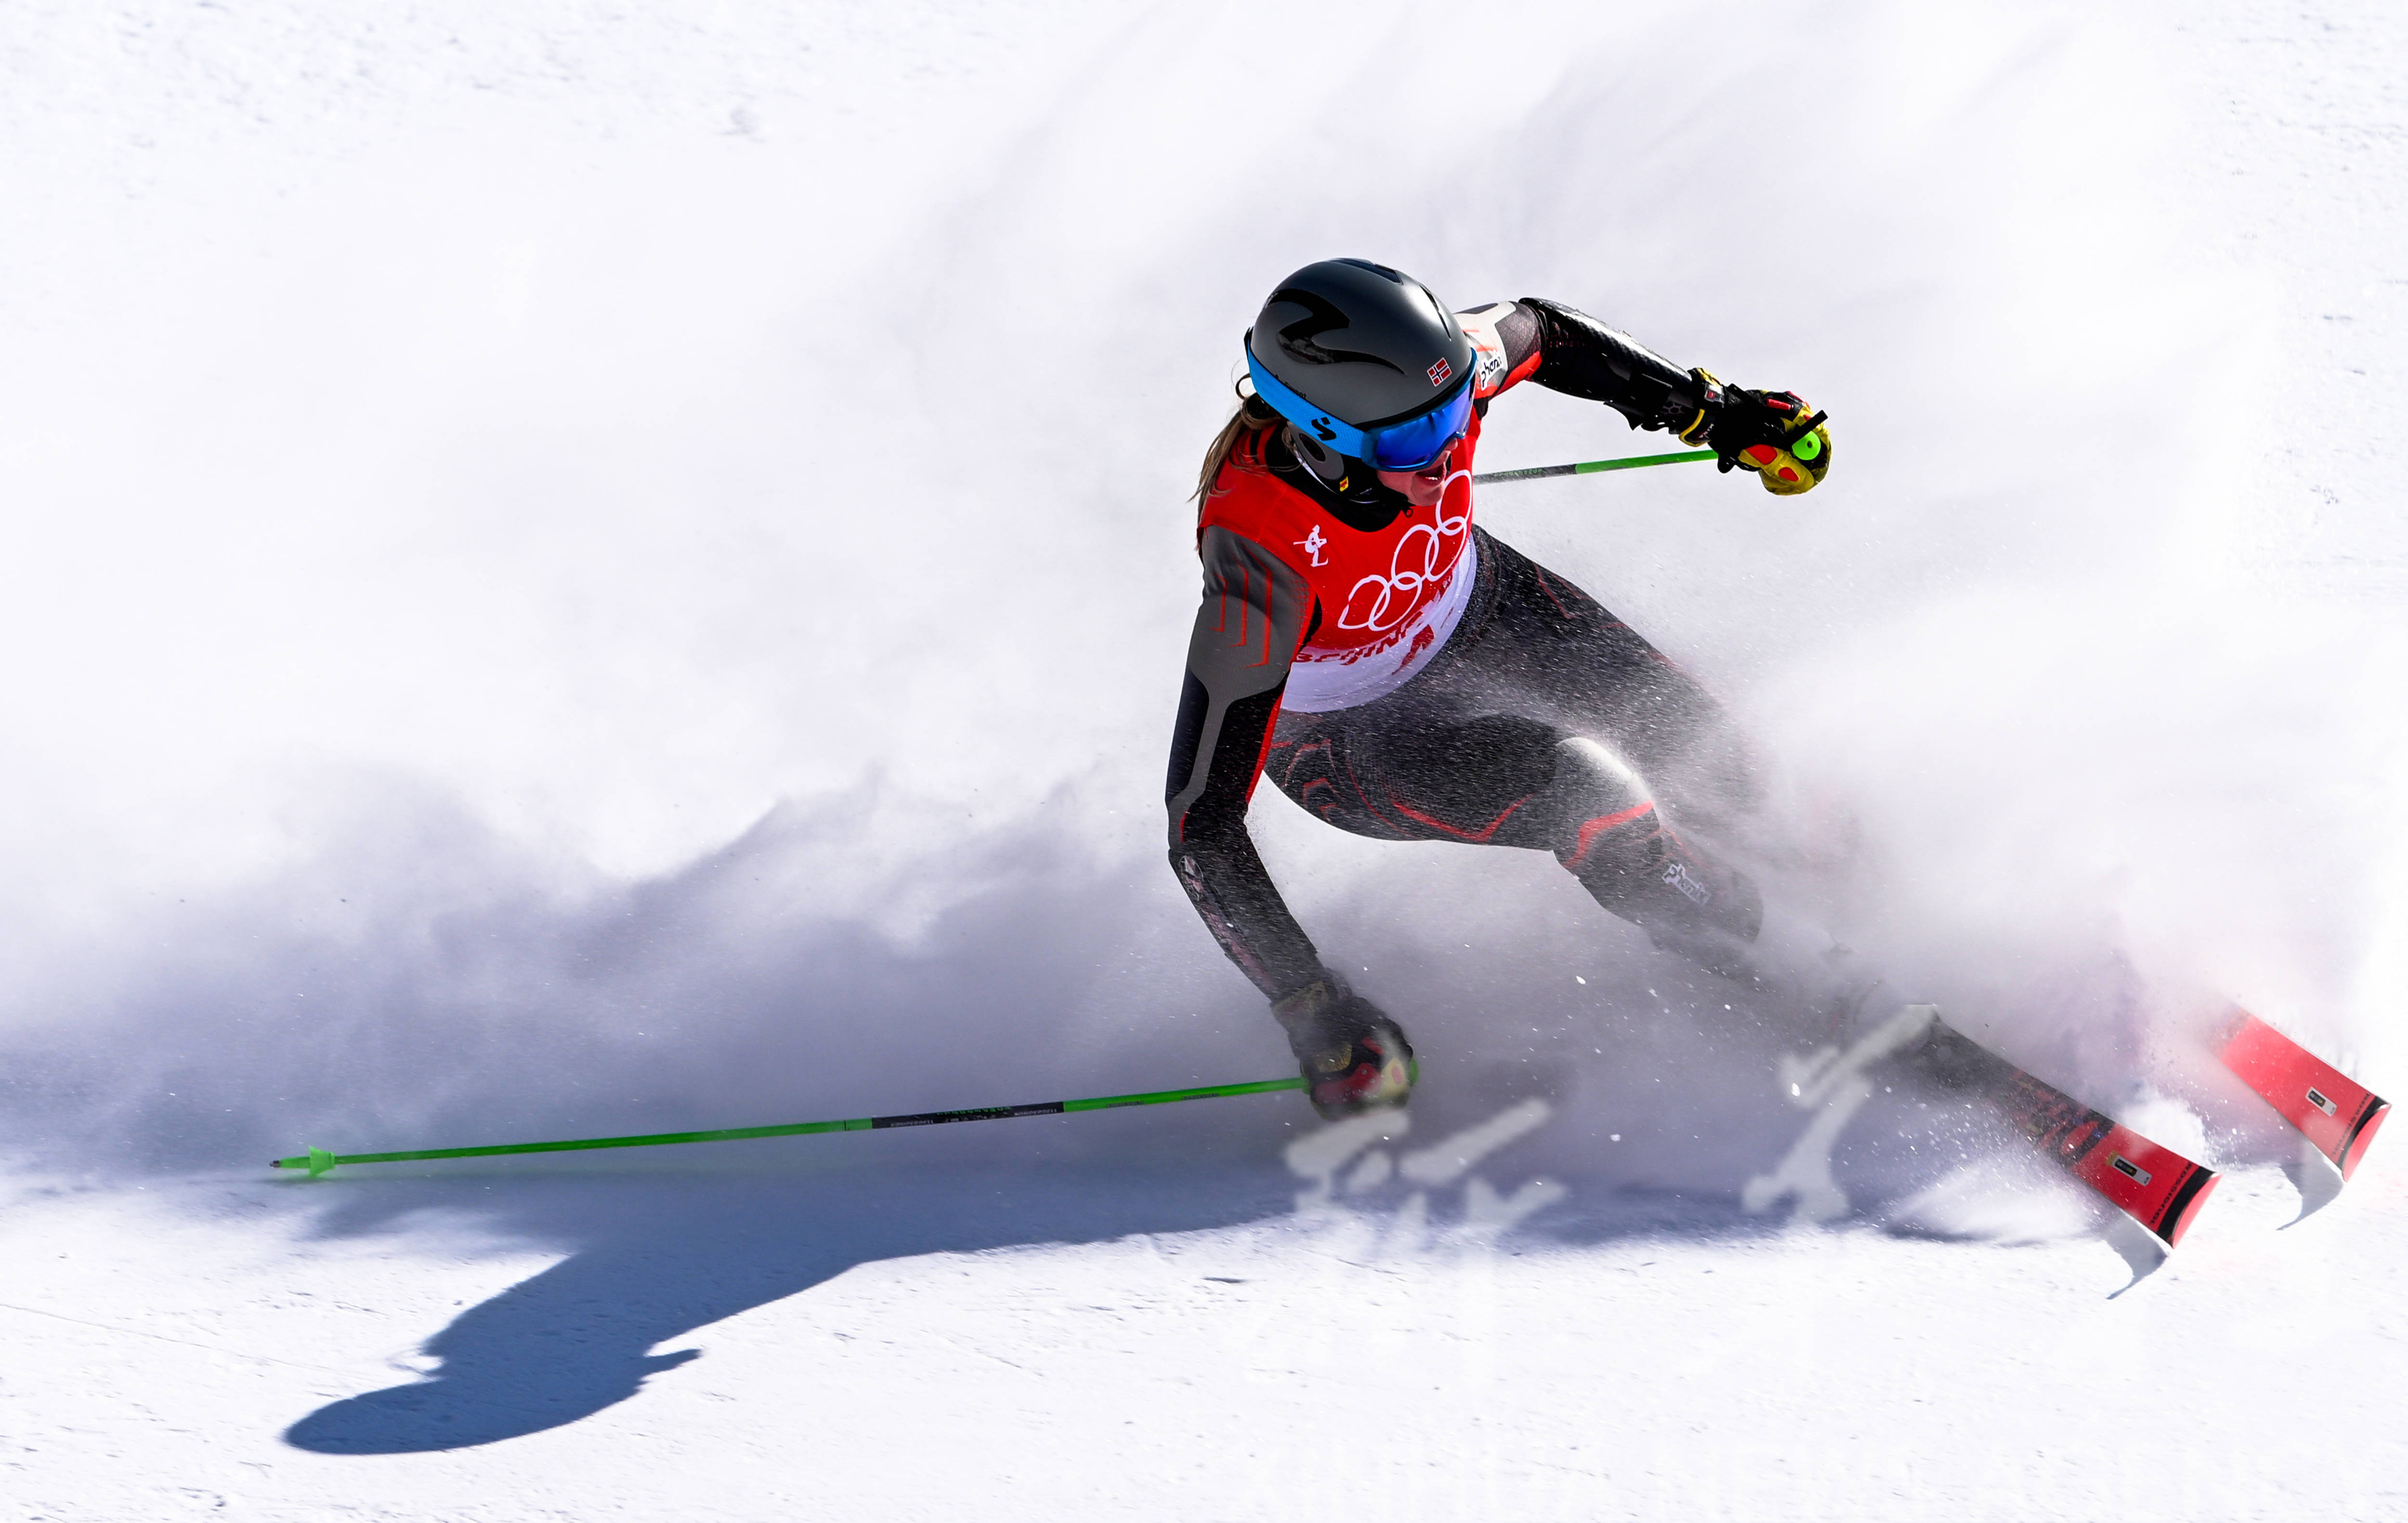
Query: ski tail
point(2335, 1113)
point(2152, 1183)
point(2155, 1186)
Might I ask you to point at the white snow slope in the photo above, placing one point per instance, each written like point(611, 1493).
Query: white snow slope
point(577, 568)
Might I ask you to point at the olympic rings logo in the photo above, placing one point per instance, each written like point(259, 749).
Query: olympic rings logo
point(1400, 591)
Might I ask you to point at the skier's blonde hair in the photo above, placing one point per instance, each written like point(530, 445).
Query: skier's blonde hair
point(1253, 416)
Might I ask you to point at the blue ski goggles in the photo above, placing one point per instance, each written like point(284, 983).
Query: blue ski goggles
point(1409, 445)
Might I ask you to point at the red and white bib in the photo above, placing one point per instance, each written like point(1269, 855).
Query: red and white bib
point(1390, 597)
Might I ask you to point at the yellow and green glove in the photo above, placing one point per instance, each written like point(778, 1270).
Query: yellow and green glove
point(1769, 432)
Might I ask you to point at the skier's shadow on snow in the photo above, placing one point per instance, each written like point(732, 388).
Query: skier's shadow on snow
point(660, 1258)
point(673, 1249)
point(656, 1257)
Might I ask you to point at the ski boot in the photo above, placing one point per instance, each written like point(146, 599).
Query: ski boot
point(1353, 1058)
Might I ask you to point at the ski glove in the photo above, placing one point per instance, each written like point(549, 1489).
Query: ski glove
point(1353, 1056)
point(1769, 432)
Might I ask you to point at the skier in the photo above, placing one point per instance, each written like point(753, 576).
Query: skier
point(1406, 675)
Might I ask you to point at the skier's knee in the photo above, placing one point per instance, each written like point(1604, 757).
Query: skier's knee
point(1605, 825)
point(1592, 791)
point(1633, 863)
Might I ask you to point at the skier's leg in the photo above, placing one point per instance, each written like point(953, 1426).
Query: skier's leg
point(1608, 832)
point(1403, 771)
point(1552, 651)
point(1510, 719)
point(1398, 769)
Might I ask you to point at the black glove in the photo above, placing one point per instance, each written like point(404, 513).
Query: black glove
point(1769, 432)
point(1353, 1056)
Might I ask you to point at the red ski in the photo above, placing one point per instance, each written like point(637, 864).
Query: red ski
point(2335, 1113)
point(2155, 1186)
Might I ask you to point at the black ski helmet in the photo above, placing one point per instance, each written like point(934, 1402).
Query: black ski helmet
point(1366, 344)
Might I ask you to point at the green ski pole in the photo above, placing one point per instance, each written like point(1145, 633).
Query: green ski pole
point(317, 1160)
point(1585, 466)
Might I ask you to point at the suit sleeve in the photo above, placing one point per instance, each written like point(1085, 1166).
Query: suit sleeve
point(1572, 353)
point(1254, 616)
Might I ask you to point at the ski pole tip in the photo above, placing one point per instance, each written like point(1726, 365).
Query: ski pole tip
point(317, 1160)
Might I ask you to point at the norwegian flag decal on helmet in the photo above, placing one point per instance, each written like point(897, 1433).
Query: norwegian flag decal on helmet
point(1438, 372)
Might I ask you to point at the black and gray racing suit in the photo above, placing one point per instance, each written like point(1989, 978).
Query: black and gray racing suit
point(1542, 721)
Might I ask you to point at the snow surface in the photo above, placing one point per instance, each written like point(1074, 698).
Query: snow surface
point(576, 569)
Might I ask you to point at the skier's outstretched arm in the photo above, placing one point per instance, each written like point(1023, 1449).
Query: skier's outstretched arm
point(1569, 352)
point(1255, 612)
